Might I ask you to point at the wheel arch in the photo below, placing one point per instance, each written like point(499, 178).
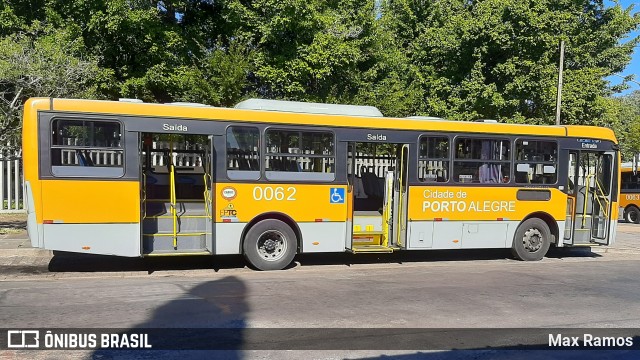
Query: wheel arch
point(628, 207)
point(549, 220)
point(631, 206)
point(276, 216)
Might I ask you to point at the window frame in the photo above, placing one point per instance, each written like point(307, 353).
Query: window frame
point(482, 136)
point(80, 171)
point(240, 175)
point(448, 159)
point(268, 174)
point(516, 161)
point(624, 185)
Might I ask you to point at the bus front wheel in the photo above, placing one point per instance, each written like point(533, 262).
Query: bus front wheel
point(532, 240)
point(632, 215)
point(270, 245)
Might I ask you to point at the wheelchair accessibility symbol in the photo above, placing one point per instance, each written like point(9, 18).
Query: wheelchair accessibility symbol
point(336, 196)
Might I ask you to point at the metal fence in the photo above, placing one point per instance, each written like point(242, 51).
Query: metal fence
point(11, 184)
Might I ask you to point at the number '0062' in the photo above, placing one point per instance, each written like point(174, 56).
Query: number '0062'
point(277, 193)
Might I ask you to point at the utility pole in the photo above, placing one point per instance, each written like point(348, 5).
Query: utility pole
point(559, 99)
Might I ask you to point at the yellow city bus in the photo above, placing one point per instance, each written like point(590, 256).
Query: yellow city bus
point(272, 179)
point(630, 193)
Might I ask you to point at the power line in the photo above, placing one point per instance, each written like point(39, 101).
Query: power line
point(625, 79)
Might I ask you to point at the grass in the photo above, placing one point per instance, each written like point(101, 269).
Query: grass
point(6, 204)
point(5, 231)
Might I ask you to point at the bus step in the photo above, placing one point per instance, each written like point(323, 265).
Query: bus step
point(367, 249)
point(366, 233)
point(367, 238)
point(164, 224)
point(164, 242)
point(204, 216)
point(177, 234)
point(194, 252)
point(177, 200)
point(182, 208)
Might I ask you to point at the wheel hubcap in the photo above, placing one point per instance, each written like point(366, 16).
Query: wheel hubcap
point(532, 240)
point(272, 245)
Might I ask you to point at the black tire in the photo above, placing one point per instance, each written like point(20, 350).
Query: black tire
point(532, 240)
point(270, 245)
point(632, 215)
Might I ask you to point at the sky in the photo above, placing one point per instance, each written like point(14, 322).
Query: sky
point(634, 65)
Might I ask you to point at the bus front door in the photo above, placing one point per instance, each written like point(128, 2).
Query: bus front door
point(589, 189)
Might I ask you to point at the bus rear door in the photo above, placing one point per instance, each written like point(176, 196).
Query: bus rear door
point(176, 194)
point(377, 204)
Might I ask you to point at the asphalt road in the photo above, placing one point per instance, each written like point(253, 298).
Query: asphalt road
point(580, 292)
point(561, 292)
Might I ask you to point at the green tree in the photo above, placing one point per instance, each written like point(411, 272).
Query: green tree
point(305, 50)
point(41, 61)
point(498, 58)
point(158, 51)
point(625, 114)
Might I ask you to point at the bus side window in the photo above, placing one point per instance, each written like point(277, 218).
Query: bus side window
point(86, 148)
point(482, 160)
point(299, 155)
point(536, 162)
point(433, 159)
point(243, 153)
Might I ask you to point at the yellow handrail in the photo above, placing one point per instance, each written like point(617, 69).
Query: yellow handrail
point(386, 221)
point(207, 195)
point(606, 199)
point(172, 196)
point(586, 200)
point(401, 192)
point(596, 196)
point(144, 195)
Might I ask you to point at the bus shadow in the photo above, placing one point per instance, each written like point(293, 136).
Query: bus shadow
point(572, 252)
point(72, 262)
point(433, 256)
point(210, 316)
point(400, 257)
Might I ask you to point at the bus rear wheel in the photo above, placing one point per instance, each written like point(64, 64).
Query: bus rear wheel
point(270, 245)
point(632, 215)
point(532, 240)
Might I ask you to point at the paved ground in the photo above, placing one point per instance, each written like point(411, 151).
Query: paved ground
point(628, 238)
point(566, 292)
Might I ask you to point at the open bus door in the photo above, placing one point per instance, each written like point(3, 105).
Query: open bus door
point(176, 183)
point(589, 190)
point(377, 197)
point(351, 178)
point(400, 194)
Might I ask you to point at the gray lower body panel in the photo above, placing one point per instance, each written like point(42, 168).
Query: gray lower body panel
point(441, 235)
point(104, 239)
